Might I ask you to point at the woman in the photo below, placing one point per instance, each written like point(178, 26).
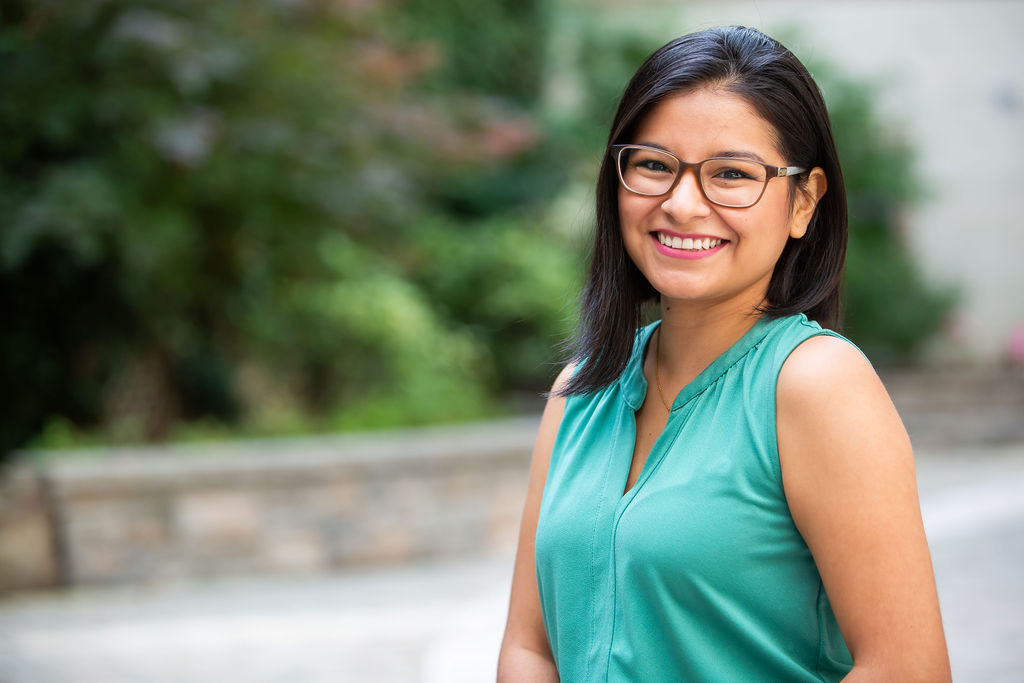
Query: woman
point(726, 494)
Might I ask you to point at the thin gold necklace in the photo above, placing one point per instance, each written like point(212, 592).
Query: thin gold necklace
point(657, 371)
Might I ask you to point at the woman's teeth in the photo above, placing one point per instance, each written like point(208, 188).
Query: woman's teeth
point(687, 242)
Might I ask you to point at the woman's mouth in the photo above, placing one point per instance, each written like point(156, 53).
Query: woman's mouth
point(691, 248)
point(688, 243)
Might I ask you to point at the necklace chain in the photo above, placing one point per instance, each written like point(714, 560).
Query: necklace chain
point(657, 371)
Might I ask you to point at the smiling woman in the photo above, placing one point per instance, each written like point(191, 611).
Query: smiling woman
point(698, 507)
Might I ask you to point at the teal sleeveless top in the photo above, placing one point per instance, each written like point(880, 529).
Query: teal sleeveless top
point(698, 573)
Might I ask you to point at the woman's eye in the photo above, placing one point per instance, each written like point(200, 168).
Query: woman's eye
point(733, 174)
point(653, 165)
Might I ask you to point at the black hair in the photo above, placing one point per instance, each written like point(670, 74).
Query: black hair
point(747, 63)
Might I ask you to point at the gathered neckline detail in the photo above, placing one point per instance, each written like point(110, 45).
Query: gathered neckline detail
point(634, 385)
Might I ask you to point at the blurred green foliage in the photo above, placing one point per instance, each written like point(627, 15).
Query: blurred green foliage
point(271, 212)
point(292, 215)
point(890, 309)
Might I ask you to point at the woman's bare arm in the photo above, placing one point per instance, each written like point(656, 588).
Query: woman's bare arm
point(525, 654)
point(848, 472)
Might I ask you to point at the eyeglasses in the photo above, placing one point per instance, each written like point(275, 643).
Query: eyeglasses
point(725, 181)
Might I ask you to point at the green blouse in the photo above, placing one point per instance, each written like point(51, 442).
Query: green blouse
point(698, 573)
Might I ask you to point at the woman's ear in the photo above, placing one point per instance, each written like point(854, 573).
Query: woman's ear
point(805, 201)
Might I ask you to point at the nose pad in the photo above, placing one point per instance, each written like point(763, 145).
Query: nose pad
point(687, 196)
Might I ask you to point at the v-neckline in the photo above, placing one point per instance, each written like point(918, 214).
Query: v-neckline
point(634, 387)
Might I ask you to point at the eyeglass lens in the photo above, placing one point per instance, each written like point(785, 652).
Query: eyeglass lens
point(731, 182)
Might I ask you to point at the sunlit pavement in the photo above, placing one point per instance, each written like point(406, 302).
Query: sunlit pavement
point(443, 622)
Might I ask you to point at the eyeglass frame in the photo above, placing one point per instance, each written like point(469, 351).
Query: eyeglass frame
point(771, 172)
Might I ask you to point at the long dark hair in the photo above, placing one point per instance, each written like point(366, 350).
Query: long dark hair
point(744, 62)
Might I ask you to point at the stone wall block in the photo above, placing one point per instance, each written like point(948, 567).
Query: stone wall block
point(27, 551)
point(114, 540)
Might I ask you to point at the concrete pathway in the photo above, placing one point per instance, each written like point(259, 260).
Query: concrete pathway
point(443, 622)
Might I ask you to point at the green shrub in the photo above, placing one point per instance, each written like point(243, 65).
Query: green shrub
point(261, 217)
point(204, 209)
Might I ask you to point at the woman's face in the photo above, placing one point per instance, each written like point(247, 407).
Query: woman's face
point(727, 255)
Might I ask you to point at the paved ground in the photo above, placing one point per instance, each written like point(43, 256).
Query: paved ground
point(436, 623)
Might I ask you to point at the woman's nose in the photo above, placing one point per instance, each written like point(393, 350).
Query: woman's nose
point(687, 200)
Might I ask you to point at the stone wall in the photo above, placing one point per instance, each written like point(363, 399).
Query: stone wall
point(311, 504)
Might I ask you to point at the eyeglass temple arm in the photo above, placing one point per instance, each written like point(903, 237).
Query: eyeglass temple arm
point(788, 170)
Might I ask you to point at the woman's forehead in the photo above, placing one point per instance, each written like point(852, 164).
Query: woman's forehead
point(709, 122)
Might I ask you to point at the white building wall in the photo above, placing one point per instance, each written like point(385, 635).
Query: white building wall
point(953, 82)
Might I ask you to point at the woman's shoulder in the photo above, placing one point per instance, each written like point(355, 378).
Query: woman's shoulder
point(795, 339)
point(825, 355)
point(826, 373)
point(562, 380)
point(631, 362)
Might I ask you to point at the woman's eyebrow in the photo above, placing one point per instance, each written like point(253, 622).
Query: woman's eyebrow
point(740, 154)
point(655, 145)
point(728, 154)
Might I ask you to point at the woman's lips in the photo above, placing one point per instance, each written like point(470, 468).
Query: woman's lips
point(689, 246)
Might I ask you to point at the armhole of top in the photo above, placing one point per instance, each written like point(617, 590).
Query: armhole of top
point(774, 388)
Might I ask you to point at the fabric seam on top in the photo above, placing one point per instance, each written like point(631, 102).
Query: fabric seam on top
point(594, 545)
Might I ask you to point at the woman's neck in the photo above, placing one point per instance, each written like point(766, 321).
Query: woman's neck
point(692, 337)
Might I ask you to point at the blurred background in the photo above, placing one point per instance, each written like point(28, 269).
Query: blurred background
point(243, 243)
